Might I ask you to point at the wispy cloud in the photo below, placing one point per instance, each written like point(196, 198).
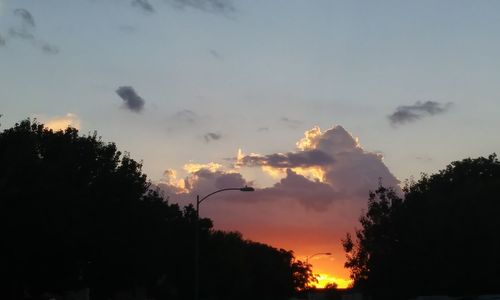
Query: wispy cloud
point(185, 120)
point(3, 42)
point(21, 32)
point(143, 5)
point(215, 54)
point(214, 6)
point(25, 30)
point(291, 122)
point(186, 116)
point(132, 100)
point(211, 136)
point(49, 48)
point(25, 16)
point(411, 113)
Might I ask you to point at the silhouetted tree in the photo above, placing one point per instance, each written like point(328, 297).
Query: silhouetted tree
point(76, 213)
point(440, 238)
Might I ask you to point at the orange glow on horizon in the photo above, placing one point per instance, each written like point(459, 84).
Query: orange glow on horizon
point(325, 279)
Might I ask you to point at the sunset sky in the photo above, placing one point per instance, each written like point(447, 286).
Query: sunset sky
point(310, 102)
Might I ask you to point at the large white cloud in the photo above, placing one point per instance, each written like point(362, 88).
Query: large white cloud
point(324, 168)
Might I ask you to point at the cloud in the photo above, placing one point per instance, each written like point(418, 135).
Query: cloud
point(215, 54)
point(49, 49)
point(291, 122)
point(411, 113)
point(25, 30)
point(3, 42)
point(211, 136)
point(302, 159)
point(186, 116)
point(186, 120)
point(21, 32)
point(132, 100)
point(144, 5)
point(61, 123)
point(261, 129)
point(214, 6)
point(320, 190)
point(326, 167)
point(25, 16)
point(334, 157)
point(313, 195)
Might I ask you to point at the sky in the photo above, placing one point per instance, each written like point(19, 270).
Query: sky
point(313, 103)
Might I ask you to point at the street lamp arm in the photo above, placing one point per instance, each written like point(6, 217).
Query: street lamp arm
point(218, 191)
point(311, 256)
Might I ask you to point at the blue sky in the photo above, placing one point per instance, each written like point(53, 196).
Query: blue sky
point(317, 62)
point(259, 74)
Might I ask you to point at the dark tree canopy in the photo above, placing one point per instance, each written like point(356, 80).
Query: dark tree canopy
point(75, 213)
point(441, 237)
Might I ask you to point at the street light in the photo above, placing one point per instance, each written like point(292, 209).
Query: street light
point(307, 263)
point(311, 256)
point(197, 235)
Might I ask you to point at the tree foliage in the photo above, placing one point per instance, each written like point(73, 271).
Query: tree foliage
point(441, 237)
point(77, 213)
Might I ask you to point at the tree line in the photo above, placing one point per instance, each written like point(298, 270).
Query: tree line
point(441, 236)
point(76, 213)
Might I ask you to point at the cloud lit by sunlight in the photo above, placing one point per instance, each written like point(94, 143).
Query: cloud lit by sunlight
point(61, 123)
point(170, 178)
point(319, 186)
point(310, 139)
point(276, 173)
point(193, 167)
point(314, 173)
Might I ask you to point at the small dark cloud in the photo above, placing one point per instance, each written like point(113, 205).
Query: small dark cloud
point(3, 42)
point(214, 6)
point(411, 113)
point(49, 49)
point(291, 122)
point(211, 136)
point(25, 16)
point(143, 5)
point(132, 100)
point(216, 54)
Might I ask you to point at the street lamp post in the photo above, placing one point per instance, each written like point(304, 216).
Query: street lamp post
point(307, 263)
point(197, 235)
